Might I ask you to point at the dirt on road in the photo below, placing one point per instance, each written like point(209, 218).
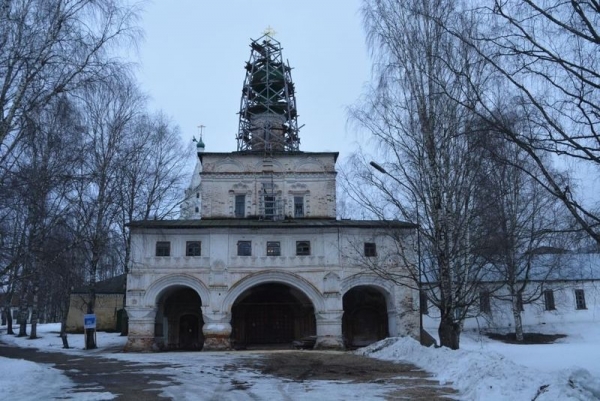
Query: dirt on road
point(411, 382)
point(134, 381)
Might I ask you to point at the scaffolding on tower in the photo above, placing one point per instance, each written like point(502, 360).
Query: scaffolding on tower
point(268, 115)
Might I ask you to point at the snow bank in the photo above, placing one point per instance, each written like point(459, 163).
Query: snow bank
point(480, 375)
point(20, 380)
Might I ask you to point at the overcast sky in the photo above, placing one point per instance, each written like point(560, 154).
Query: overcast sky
point(193, 56)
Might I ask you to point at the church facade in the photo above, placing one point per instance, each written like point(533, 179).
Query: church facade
point(259, 258)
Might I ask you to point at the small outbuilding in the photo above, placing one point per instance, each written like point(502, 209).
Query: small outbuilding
point(109, 305)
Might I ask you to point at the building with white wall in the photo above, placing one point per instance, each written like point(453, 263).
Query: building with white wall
point(567, 293)
point(258, 257)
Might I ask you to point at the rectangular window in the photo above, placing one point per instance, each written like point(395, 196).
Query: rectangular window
point(370, 249)
point(302, 248)
point(193, 248)
point(423, 302)
point(298, 206)
point(269, 206)
point(580, 299)
point(163, 248)
point(549, 300)
point(484, 302)
point(273, 248)
point(240, 206)
point(244, 248)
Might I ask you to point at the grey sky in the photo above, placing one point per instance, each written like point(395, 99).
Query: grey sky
point(193, 57)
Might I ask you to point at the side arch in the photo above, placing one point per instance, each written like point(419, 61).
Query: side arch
point(156, 289)
point(370, 280)
point(290, 279)
point(363, 284)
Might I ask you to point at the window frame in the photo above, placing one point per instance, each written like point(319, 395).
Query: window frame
point(303, 248)
point(298, 206)
point(580, 299)
point(188, 244)
point(161, 247)
point(273, 248)
point(370, 249)
point(423, 302)
point(243, 246)
point(269, 211)
point(485, 303)
point(549, 303)
point(239, 206)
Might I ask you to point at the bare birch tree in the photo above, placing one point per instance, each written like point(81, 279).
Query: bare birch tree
point(426, 144)
point(153, 175)
point(545, 55)
point(50, 47)
point(109, 110)
point(518, 219)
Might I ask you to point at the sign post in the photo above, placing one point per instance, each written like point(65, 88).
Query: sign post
point(89, 322)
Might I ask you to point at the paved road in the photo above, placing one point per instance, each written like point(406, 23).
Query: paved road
point(145, 381)
point(90, 373)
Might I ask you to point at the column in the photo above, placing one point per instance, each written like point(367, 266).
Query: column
point(217, 332)
point(329, 330)
point(140, 337)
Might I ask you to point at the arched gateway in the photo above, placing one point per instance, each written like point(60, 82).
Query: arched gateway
point(259, 257)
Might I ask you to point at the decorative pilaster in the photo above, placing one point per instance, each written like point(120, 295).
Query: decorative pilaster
point(140, 337)
point(217, 332)
point(329, 330)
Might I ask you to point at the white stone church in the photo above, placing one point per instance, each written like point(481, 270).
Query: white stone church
point(259, 258)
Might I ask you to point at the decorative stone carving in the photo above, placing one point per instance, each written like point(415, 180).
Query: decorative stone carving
point(331, 284)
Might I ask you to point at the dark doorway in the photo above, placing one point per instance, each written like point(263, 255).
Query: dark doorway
point(188, 332)
point(365, 318)
point(179, 320)
point(271, 315)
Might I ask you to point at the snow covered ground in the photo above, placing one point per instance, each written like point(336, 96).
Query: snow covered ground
point(482, 370)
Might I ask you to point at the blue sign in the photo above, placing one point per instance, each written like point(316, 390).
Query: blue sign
point(89, 321)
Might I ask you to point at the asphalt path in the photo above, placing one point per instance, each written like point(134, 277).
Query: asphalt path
point(145, 381)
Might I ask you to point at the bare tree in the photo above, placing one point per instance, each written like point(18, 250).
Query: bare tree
point(109, 109)
point(425, 142)
point(545, 54)
point(153, 175)
point(39, 182)
point(518, 219)
point(49, 47)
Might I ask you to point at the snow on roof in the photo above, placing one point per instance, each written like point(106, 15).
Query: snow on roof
point(567, 266)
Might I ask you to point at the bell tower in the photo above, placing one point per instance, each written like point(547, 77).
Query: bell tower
point(268, 115)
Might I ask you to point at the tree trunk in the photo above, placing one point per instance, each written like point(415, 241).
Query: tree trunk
point(63, 332)
point(90, 338)
point(516, 309)
point(34, 308)
point(23, 310)
point(124, 320)
point(9, 320)
point(449, 332)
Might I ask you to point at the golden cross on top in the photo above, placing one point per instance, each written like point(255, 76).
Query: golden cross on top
point(269, 31)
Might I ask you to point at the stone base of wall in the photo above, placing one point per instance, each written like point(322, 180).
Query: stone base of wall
point(330, 343)
point(217, 343)
point(140, 344)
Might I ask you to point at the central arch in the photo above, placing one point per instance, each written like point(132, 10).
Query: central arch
point(290, 279)
point(271, 315)
point(272, 309)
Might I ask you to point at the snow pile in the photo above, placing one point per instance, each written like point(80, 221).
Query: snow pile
point(483, 369)
point(484, 375)
point(20, 380)
point(49, 341)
